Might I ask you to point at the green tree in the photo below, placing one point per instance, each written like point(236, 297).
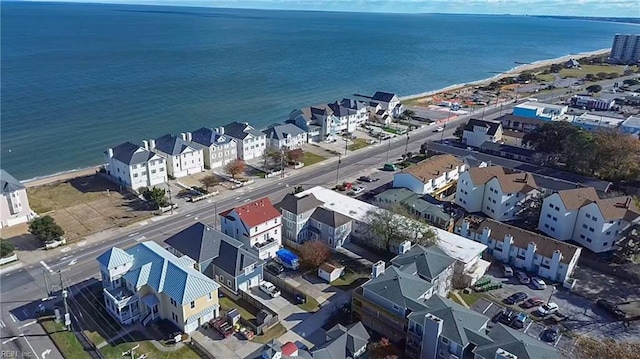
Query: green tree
point(6, 248)
point(631, 82)
point(594, 88)
point(155, 196)
point(408, 114)
point(459, 132)
point(393, 225)
point(271, 157)
point(550, 137)
point(601, 75)
point(298, 189)
point(209, 181)
point(555, 68)
point(45, 229)
point(590, 77)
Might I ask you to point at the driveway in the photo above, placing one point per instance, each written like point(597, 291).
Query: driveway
point(288, 313)
point(232, 347)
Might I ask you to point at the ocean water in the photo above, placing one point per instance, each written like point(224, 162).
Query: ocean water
point(78, 78)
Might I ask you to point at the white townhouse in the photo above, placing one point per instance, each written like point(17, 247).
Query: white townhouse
point(318, 121)
point(287, 136)
point(257, 224)
point(219, 149)
point(476, 132)
point(389, 103)
point(14, 208)
point(251, 143)
point(183, 158)
point(433, 176)
point(495, 191)
point(348, 114)
point(135, 167)
point(580, 215)
point(535, 253)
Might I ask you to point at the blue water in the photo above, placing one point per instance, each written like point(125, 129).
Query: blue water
point(77, 78)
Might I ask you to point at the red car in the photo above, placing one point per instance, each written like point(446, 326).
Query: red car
point(532, 302)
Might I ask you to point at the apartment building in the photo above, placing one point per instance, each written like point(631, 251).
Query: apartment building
point(219, 149)
point(14, 208)
point(288, 136)
point(495, 191)
point(434, 176)
point(183, 157)
point(135, 167)
point(476, 132)
point(250, 142)
point(625, 49)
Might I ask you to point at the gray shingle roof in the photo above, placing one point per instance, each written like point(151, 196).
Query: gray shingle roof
point(491, 125)
point(130, 154)
point(208, 136)
point(343, 342)
point(8, 183)
point(299, 205)
point(280, 132)
point(398, 287)
point(428, 263)
point(241, 130)
point(353, 104)
point(460, 324)
point(330, 218)
point(383, 96)
point(165, 273)
point(519, 344)
point(172, 145)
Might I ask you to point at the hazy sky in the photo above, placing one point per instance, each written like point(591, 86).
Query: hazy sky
point(621, 8)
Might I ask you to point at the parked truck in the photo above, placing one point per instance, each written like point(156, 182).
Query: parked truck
point(288, 259)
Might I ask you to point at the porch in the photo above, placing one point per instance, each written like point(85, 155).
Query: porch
point(267, 249)
point(122, 304)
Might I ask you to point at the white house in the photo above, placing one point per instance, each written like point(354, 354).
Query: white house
point(14, 208)
point(495, 192)
point(183, 158)
point(580, 215)
point(433, 176)
point(535, 253)
point(251, 142)
point(287, 136)
point(348, 114)
point(135, 167)
point(257, 224)
point(540, 111)
point(219, 149)
point(631, 125)
point(389, 102)
point(592, 122)
point(476, 132)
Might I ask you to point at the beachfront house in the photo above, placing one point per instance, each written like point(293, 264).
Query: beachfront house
point(135, 167)
point(219, 149)
point(285, 136)
point(14, 208)
point(257, 224)
point(146, 283)
point(390, 102)
point(436, 176)
point(183, 157)
point(476, 132)
point(250, 142)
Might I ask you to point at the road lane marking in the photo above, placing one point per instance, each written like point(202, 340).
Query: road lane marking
point(141, 238)
point(28, 324)
point(13, 317)
point(81, 244)
point(46, 266)
point(73, 262)
point(133, 234)
point(2, 325)
point(188, 215)
point(30, 346)
point(45, 353)
point(65, 258)
point(9, 340)
point(65, 249)
point(143, 223)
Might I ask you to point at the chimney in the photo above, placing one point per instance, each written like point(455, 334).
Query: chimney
point(465, 227)
point(189, 136)
point(404, 247)
point(109, 152)
point(152, 145)
point(183, 136)
point(377, 269)
point(431, 335)
point(221, 130)
point(486, 234)
point(145, 144)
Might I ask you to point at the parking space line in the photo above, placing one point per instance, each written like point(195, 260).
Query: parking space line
point(487, 308)
point(527, 328)
point(557, 341)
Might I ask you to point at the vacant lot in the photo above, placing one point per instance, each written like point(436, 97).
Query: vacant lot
point(357, 144)
point(311, 158)
point(591, 69)
point(86, 205)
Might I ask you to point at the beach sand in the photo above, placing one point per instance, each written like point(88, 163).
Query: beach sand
point(517, 70)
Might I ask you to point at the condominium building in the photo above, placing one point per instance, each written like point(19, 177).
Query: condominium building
point(135, 167)
point(625, 49)
point(183, 157)
point(476, 132)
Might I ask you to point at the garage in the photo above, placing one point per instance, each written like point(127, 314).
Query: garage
point(250, 282)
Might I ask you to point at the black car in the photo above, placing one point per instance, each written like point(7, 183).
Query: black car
point(274, 267)
point(507, 316)
point(367, 179)
point(515, 298)
point(550, 334)
point(611, 308)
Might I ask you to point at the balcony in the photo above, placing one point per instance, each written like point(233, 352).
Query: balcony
point(268, 244)
point(120, 296)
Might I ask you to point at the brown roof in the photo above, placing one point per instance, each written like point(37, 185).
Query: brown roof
point(545, 246)
point(433, 167)
point(327, 267)
point(577, 197)
point(510, 181)
point(514, 134)
point(255, 213)
point(618, 208)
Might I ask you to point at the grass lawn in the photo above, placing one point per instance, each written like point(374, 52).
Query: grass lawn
point(455, 299)
point(226, 303)
point(272, 333)
point(348, 279)
point(591, 69)
point(392, 130)
point(311, 158)
point(115, 351)
point(66, 194)
point(311, 305)
point(470, 298)
point(64, 340)
point(357, 144)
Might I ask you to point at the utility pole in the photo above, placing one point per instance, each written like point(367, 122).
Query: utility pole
point(282, 164)
point(338, 170)
point(346, 146)
point(170, 201)
point(406, 146)
point(67, 316)
point(388, 149)
point(553, 289)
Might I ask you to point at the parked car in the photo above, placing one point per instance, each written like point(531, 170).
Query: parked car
point(439, 129)
point(274, 267)
point(532, 302)
point(507, 271)
point(547, 309)
point(550, 334)
point(523, 277)
point(538, 283)
point(389, 167)
point(515, 298)
point(507, 316)
point(357, 190)
point(270, 289)
point(520, 321)
point(612, 308)
point(368, 179)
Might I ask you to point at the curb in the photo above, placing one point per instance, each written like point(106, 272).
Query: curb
point(11, 267)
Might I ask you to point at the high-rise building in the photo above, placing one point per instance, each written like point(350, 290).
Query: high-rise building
point(625, 49)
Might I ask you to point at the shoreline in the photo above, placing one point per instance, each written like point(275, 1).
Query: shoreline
point(79, 172)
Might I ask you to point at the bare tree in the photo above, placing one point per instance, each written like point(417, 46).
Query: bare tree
point(394, 224)
point(589, 348)
point(209, 181)
point(235, 168)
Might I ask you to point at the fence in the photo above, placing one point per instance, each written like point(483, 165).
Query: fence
point(268, 324)
point(8, 259)
point(283, 285)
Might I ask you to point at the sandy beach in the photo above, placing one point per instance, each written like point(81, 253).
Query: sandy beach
point(515, 71)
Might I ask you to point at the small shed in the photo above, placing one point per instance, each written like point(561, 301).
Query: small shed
point(329, 272)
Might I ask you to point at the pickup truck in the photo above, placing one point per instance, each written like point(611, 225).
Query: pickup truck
point(270, 289)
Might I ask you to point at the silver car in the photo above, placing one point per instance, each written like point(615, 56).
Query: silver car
point(523, 277)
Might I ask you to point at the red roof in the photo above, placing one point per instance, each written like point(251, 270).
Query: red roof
point(289, 349)
point(255, 213)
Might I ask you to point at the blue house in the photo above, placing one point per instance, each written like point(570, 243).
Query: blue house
point(218, 256)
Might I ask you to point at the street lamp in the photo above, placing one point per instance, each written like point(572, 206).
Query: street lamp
point(338, 170)
point(170, 201)
point(388, 150)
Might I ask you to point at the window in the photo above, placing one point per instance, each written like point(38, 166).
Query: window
point(582, 236)
point(553, 229)
point(550, 205)
point(605, 244)
point(546, 225)
point(557, 208)
point(588, 215)
point(591, 229)
point(173, 302)
point(161, 169)
point(135, 175)
point(153, 171)
point(396, 308)
point(276, 231)
point(589, 240)
point(585, 226)
point(193, 304)
point(445, 340)
point(555, 219)
point(209, 296)
point(548, 215)
point(229, 283)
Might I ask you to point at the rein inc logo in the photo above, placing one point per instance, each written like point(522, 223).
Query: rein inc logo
point(15, 354)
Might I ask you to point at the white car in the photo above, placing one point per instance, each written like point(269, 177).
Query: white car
point(358, 190)
point(270, 289)
point(538, 283)
point(439, 129)
point(547, 309)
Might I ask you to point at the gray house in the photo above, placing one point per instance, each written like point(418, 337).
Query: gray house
point(218, 256)
point(219, 149)
point(287, 136)
point(304, 218)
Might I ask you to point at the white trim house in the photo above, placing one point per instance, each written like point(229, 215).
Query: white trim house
point(135, 167)
point(287, 136)
point(183, 158)
point(251, 143)
point(432, 176)
point(219, 149)
point(14, 208)
point(476, 132)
